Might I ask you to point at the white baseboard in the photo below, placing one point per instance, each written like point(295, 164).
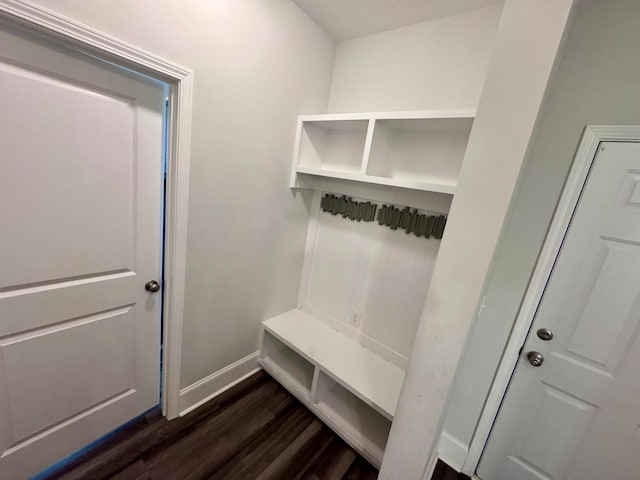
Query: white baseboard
point(452, 451)
point(200, 392)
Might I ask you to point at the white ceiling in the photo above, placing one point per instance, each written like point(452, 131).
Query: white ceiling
point(346, 19)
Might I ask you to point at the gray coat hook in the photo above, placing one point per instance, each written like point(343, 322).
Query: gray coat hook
point(410, 221)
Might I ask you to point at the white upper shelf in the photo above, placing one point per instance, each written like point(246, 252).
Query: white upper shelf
point(392, 182)
point(420, 150)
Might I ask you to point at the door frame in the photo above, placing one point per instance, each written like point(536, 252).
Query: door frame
point(589, 146)
point(89, 41)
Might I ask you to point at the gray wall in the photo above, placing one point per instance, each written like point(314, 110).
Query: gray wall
point(597, 82)
point(438, 63)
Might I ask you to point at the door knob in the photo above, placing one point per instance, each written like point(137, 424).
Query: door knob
point(535, 358)
point(545, 334)
point(152, 286)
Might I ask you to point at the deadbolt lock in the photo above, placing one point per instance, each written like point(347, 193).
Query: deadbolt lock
point(545, 334)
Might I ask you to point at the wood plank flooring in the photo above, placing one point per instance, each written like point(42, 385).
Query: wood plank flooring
point(445, 472)
point(254, 431)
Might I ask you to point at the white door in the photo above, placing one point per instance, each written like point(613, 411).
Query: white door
point(577, 415)
point(80, 235)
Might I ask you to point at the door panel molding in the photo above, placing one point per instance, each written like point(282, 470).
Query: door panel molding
point(87, 40)
point(592, 137)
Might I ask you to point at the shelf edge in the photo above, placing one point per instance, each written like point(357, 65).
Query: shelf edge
point(421, 186)
point(444, 113)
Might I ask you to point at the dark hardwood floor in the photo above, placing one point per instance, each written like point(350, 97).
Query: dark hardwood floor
point(254, 431)
point(445, 472)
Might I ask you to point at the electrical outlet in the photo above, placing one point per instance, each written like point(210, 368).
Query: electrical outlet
point(356, 317)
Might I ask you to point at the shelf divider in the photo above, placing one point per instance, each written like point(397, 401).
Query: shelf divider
point(367, 146)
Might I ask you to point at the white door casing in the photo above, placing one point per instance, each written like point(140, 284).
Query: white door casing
point(577, 415)
point(81, 213)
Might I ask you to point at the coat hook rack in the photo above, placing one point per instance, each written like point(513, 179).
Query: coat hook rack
point(348, 208)
point(411, 221)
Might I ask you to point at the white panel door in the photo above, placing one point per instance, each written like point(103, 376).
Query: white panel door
point(80, 235)
point(577, 416)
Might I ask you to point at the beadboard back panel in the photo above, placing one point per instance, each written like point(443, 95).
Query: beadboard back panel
point(368, 280)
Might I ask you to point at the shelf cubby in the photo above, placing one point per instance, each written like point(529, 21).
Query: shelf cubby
point(364, 426)
point(287, 365)
point(415, 150)
point(419, 150)
point(351, 388)
point(367, 375)
point(333, 145)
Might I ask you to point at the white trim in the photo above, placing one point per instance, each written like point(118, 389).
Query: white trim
point(203, 390)
point(452, 451)
point(310, 248)
point(293, 181)
point(431, 466)
point(86, 39)
point(89, 41)
point(591, 139)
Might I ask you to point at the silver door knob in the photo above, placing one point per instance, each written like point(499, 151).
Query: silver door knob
point(152, 286)
point(535, 358)
point(544, 334)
